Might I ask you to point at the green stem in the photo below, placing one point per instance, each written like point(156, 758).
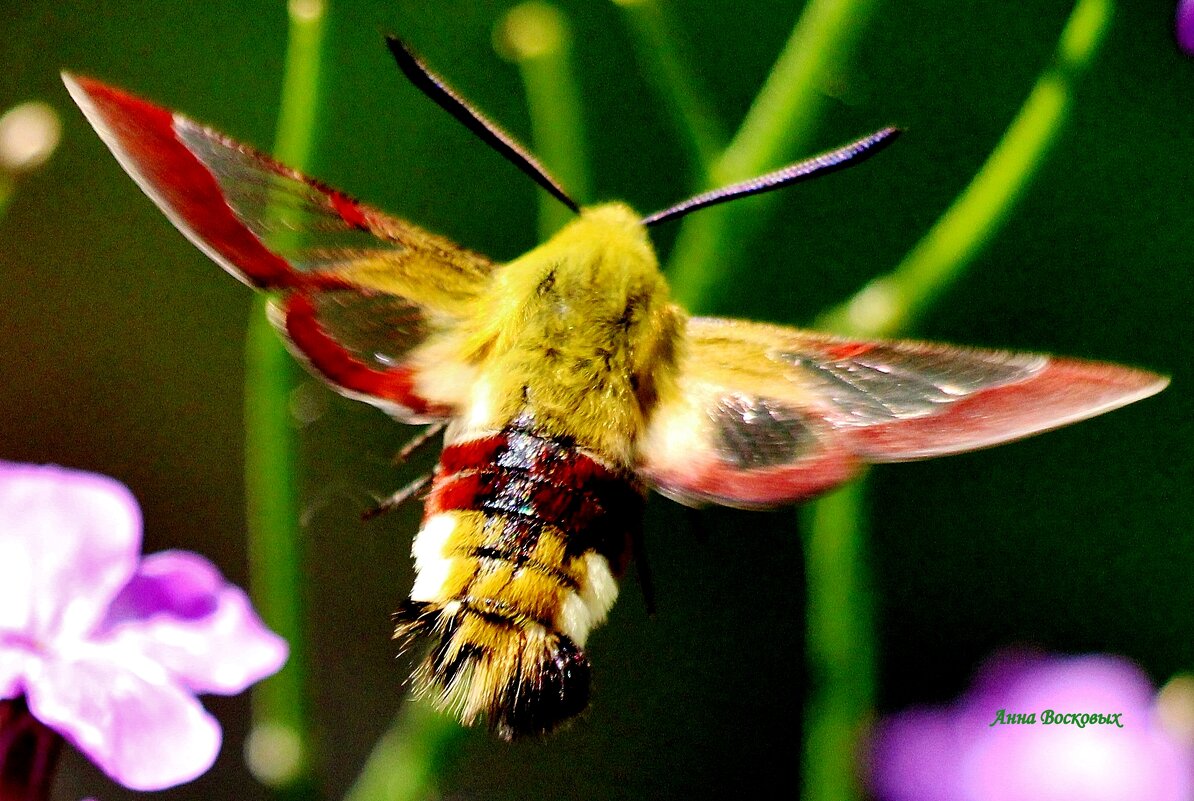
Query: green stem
point(281, 744)
point(841, 628)
point(694, 119)
point(8, 188)
point(536, 37)
point(896, 301)
point(841, 643)
point(406, 761)
point(778, 125)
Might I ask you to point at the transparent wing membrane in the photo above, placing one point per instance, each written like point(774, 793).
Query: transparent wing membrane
point(766, 415)
point(882, 383)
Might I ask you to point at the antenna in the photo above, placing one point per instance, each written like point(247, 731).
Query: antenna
point(831, 161)
point(487, 131)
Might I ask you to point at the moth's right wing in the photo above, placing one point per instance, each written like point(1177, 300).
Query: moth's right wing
point(763, 415)
point(360, 294)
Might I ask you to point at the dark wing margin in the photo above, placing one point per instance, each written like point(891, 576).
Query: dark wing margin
point(764, 415)
point(361, 292)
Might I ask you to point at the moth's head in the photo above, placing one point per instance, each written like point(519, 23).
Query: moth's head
point(608, 223)
point(615, 217)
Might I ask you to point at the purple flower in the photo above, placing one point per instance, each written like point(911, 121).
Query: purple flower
point(1184, 26)
point(955, 753)
point(109, 649)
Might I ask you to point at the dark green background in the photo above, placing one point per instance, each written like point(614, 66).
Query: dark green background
point(120, 351)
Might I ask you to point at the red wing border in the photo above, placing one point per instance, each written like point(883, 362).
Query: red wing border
point(142, 137)
point(360, 291)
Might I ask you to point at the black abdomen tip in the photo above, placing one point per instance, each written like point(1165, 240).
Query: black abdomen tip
point(546, 695)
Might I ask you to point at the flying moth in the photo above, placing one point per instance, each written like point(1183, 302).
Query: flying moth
point(568, 384)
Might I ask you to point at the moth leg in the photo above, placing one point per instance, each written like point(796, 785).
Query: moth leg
point(417, 442)
point(398, 498)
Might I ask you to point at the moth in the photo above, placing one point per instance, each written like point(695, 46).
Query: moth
point(569, 385)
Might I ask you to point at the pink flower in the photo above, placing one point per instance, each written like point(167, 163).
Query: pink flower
point(109, 649)
point(1184, 26)
point(964, 753)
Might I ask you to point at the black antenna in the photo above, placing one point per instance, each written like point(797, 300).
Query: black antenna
point(446, 98)
point(832, 161)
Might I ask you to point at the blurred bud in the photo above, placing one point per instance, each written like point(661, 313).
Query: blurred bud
point(29, 132)
point(273, 754)
point(876, 307)
point(305, 10)
point(530, 30)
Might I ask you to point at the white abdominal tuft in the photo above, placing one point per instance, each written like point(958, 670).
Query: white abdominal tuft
point(431, 543)
point(432, 565)
point(582, 611)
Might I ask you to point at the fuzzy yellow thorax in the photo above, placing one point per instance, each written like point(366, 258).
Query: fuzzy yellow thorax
point(576, 336)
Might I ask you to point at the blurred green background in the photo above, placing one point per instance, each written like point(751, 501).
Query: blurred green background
point(121, 352)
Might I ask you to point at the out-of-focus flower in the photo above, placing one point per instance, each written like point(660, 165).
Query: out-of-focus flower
point(109, 649)
point(1184, 26)
point(962, 752)
point(29, 133)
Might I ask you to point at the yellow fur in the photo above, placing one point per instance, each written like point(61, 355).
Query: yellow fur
point(576, 335)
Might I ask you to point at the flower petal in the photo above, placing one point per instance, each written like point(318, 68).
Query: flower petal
point(178, 611)
point(1184, 26)
point(69, 541)
point(127, 716)
point(916, 756)
point(15, 663)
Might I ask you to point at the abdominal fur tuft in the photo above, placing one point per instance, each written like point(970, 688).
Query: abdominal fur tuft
point(523, 677)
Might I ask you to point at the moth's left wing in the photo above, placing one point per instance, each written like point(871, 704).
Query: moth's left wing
point(764, 415)
point(360, 294)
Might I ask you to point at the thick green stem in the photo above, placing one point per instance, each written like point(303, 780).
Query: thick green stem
point(281, 743)
point(409, 757)
point(536, 37)
point(693, 117)
point(840, 641)
point(779, 124)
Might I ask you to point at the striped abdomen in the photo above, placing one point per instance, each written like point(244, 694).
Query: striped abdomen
point(517, 556)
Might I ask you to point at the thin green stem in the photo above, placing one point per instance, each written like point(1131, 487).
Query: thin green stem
point(700, 129)
point(896, 301)
point(841, 628)
point(294, 140)
point(8, 188)
point(281, 744)
point(536, 37)
point(779, 124)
